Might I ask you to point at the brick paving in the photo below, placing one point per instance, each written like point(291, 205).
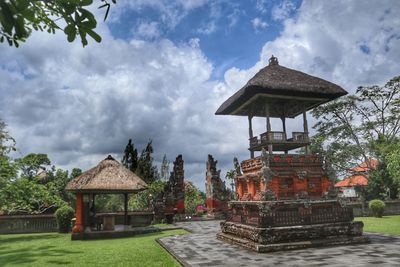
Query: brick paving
point(201, 248)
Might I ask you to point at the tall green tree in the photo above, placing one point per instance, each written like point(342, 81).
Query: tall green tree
point(358, 127)
point(7, 142)
point(18, 18)
point(31, 164)
point(130, 158)
point(193, 198)
point(352, 123)
point(27, 196)
point(145, 169)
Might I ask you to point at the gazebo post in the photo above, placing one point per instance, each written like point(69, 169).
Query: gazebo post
point(305, 125)
point(78, 228)
point(251, 135)
point(268, 122)
point(126, 209)
point(284, 130)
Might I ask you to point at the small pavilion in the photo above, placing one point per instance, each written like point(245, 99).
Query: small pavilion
point(108, 177)
point(285, 201)
point(279, 92)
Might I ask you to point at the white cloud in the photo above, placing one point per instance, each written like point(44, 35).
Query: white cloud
point(261, 6)
point(78, 105)
point(283, 10)
point(259, 24)
point(209, 28)
point(148, 30)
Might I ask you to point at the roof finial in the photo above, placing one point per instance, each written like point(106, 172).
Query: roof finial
point(273, 61)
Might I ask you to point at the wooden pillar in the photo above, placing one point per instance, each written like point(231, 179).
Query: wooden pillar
point(268, 122)
point(251, 135)
point(126, 209)
point(305, 125)
point(78, 228)
point(284, 130)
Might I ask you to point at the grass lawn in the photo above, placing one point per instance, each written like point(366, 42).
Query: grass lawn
point(53, 249)
point(386, 225)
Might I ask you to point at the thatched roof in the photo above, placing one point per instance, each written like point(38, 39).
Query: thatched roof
point(276, 82)
point(109, 176)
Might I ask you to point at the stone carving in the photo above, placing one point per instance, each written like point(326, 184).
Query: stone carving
point(238, 171)
point(268, 195)
point(302, 174)
point(174, 190)
point(217, 193)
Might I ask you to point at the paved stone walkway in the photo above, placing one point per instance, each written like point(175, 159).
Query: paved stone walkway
point(201, 248)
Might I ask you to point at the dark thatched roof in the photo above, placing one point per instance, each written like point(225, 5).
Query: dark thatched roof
point(109, 176)
point(275, 82)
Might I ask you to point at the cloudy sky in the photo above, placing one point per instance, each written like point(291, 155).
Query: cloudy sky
point(164, 67)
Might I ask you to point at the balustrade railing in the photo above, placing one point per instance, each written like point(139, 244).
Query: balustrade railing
point(271, 137)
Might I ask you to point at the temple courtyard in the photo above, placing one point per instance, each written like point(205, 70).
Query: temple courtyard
point(202, 248)
point(197, 246)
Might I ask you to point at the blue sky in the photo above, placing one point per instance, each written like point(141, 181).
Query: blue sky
point(164, 67)
point(230, 33)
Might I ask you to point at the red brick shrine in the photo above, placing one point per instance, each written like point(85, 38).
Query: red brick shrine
point(285, 201)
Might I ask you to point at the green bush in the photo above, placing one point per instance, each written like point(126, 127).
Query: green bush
point(377, 207)
point(64, 216)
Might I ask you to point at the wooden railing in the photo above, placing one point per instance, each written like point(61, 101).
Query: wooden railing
point(271, 137)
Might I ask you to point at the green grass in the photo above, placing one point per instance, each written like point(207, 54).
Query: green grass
point(386, 225)
point(159, 225)
point(52, 249)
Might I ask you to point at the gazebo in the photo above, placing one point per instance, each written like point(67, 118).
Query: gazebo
point(279, 92)
point(285, 201)
point(108, 177)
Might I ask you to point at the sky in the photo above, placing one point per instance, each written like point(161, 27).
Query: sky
point(164, 67)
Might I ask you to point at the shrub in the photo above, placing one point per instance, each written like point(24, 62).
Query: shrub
point(377, 207)
point(64, 216)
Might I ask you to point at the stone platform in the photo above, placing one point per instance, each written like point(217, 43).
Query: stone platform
point(202, 248)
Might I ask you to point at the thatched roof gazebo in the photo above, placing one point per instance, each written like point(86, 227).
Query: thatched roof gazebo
point(279, 92)
point(108, 177)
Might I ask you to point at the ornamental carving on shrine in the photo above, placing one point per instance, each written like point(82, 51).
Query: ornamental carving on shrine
point(285, 198)
point(174, 190)
point(217, 193)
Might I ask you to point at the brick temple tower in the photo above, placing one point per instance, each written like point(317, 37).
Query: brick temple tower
point(285, 200)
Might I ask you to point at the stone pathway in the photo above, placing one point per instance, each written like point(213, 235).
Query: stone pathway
point(201, 248)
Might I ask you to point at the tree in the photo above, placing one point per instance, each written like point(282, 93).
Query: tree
point(145, 168)
point(143, 199)
point(18, 18)
point(31, 164)
point(7, 142)
point(393, 160)
point(75, 173)
point(8, 170)
point(27, 196)
point(358, 127)
point(351, 123)
point(164, 170)
point(130, 159)
point(193, 198)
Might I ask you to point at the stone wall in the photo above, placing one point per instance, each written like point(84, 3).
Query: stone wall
point(392, 208)
point(15, 224)
point(27, 224)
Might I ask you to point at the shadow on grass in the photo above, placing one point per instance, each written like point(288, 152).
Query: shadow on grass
point(26, 238)
point(30, 254)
